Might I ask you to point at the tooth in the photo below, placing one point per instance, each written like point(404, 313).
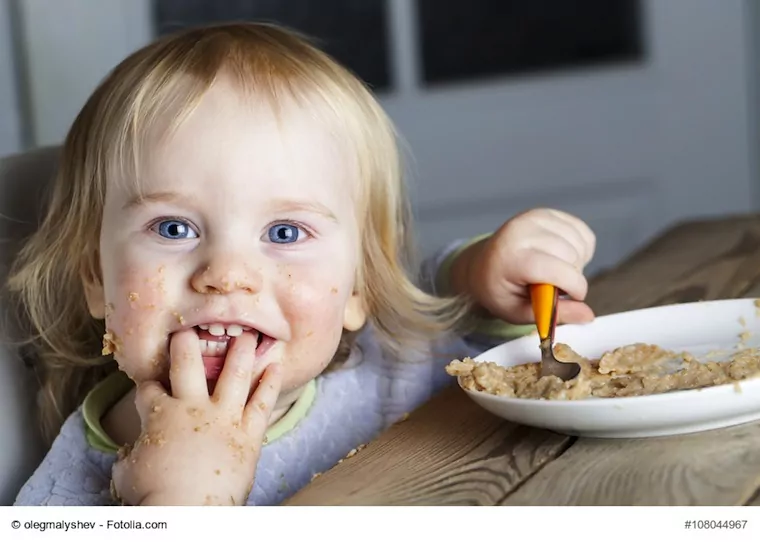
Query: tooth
point(204, 347)
point(246, 328)
point(204, 326)
point(234, 330)
point(216, 330)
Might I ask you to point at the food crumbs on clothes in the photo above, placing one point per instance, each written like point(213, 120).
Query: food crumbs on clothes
point(404, 417)
point(110, 343)
point(737, 387)
point(315, 476)
point(355, 451)
point(744, 335)
point(742, 321)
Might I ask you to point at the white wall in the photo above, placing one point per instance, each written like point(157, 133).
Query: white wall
point(71, 45)
point(10, 127)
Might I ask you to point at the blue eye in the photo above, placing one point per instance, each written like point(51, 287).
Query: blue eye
point(175, 229)
point(283, 233)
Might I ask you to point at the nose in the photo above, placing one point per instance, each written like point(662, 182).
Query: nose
point(227, 274)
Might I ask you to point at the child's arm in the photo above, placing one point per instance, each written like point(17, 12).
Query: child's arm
point(71, 474)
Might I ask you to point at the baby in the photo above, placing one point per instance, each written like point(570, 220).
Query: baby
point(219, 300)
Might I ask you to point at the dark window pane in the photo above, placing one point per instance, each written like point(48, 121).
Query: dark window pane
point(352, 31)
point(484, 38)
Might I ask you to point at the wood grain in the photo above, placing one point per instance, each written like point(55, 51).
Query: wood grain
point(449, 452)
point(755, 499)
point(713, 468)
point(715, 259)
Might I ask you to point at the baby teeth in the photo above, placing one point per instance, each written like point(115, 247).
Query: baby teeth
point(212, 348)
point(219, 330)
point(216, 330)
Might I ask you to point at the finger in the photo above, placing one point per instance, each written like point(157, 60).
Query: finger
point(559, 246)
point(540, 267)
point(260, 406)
point(568, 312)
point(186, 372)
point(122, 489)
point(558, 226)
point(586, 234)
point(235, 380)
point(148, 397)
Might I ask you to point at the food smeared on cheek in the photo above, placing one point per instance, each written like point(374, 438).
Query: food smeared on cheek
point(179, 317)
point(111, 343)
point(156, 284)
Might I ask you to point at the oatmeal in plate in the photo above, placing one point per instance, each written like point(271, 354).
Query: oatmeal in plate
point(631, 370)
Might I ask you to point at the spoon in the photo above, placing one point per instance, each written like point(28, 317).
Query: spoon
point(543, 298)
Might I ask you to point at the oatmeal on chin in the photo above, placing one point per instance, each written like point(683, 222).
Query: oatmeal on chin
point(632, 370)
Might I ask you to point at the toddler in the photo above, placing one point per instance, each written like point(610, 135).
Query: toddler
point(220, 299)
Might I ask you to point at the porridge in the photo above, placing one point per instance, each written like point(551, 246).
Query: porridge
point(636, 369)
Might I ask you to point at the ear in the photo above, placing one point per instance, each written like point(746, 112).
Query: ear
point(93, 288)
point(355, 314)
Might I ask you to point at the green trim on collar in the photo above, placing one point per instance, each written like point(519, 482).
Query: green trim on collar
point(115, 386)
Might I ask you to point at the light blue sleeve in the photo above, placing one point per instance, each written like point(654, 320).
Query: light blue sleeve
point(71, 474)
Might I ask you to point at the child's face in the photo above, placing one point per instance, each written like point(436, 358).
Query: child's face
point(245, 223)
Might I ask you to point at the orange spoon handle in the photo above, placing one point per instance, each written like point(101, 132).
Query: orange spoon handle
point(543, 298)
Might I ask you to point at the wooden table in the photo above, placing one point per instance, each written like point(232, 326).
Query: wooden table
point(452, 452)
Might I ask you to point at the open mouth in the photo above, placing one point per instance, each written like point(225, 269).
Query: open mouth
point(214, 342)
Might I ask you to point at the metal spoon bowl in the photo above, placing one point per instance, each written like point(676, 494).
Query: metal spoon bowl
point(544, 298)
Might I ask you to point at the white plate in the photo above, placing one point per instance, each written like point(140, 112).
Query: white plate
point(698, 328)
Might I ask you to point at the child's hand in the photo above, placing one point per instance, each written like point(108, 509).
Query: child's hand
point(197, 449)
point(539, 246)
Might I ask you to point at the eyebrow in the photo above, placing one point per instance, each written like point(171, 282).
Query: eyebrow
point(280, 205)
point(158, 197)
point(286, 206)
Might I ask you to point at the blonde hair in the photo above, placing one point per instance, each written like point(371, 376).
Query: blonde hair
point(152, 91)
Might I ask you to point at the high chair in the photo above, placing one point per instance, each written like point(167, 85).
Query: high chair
point(24, 180)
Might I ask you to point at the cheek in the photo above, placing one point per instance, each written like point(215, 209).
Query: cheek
point(314, 300)
point(136, 319)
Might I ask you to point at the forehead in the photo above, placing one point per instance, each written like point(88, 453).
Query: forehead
point(241, 137)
